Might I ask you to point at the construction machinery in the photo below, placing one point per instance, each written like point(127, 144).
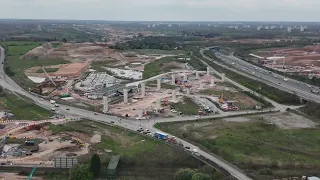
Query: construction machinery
point(172, 140)
point(221, 99)
point(78, 142)
point(48, 76)
point(33, 127)
point(29, 143)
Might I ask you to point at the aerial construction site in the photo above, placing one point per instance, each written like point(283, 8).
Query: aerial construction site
point(101, 79)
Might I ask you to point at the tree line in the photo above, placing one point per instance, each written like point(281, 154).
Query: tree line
point(155, 42)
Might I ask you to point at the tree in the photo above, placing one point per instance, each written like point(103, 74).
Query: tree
point(165, 47)
point(201, 176)
point(184, 174)
point(95, 165)
point(64, 40)
point(81, 172)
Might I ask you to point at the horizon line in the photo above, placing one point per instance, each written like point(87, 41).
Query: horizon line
point(193, 21)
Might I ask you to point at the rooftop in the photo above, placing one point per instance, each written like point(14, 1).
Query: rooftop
point(113, 162)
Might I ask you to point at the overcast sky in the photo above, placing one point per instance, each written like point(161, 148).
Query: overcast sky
point(163, 10)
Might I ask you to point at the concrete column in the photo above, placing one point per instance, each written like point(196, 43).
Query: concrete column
point(158, 84)
point(158, 103)
point(143, 89)
point(197, 75)
point(140, 114)
point(212, 82)
point(223, 77)
point(105, 104)
point(173, 81)
point(125, 95)
point(188, 91)
point(185, 77)
point(208, 70)
point(201, 85)
point(301, 100)
point(174, 95)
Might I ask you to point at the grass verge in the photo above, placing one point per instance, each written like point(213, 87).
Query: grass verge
point(22, 109)
point(187, 106)
point(159, 51)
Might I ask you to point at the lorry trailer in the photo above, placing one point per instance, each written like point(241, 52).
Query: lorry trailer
point(161, 135)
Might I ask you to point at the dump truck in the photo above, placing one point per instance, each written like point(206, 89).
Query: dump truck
point(161, 135)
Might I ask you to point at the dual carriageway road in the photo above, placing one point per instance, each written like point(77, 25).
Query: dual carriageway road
point(244, 68)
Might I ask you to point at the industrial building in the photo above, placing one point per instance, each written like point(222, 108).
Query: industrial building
point(96, 81)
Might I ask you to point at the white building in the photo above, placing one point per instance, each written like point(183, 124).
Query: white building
point(289, 29)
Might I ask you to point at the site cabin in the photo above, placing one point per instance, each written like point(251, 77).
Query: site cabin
point(160, 135)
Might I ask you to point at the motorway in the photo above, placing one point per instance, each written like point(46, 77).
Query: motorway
point(7, 83)
point(254, 72)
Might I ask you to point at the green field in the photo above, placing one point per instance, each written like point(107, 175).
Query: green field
point(56, 45)
point(48, 70)
point(311, 109)
point(22, 109)
point(15, 66)
point(140, 156)
point(262, 149)
point(187, 106)
point(159, 51)
point(162, 65)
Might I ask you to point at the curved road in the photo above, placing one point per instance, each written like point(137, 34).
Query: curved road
point(9, 84)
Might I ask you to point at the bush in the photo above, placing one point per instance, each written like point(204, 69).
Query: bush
point(81, 172)
point(201, 176)
point(184, 174)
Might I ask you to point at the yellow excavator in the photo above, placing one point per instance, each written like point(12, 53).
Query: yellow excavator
point(78, 142)
point(221, 100)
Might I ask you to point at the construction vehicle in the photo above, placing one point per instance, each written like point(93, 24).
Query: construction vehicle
point(160, 135)
point(172, 140)
point(10, 136)
point(78, 142)
point(48, 76)
point(33, 127)
point(29, 143)
point(221, 99)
